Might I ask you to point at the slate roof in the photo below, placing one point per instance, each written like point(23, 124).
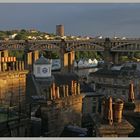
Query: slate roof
point(125, 71)
point(42, 60)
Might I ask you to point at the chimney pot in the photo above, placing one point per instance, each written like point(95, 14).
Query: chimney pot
point(118, 108)
point(131, 97)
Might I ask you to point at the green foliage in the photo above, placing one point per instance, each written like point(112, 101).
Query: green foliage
point(2, 35)
point(52, 35)
point(18, 54)
point(23, 31)
point(55, 56)
point(20, 36)
point(87, 54)
point(50, 55)
point(123, 58)
point(8, 33)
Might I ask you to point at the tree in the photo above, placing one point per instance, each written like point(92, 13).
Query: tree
point(20, 37)
point(8, 33)
point(23, 31)
point(17, 54)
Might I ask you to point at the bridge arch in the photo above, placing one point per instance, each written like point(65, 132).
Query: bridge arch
point(127, 47)
point(45, 47)
point(86, 46)
point(13, 46)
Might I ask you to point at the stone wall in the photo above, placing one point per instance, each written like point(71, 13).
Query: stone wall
point(15, 128)
point(12, 87)
point(56, 114)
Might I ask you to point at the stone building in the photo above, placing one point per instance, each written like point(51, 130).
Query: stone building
point(12, 97)
point(13, 126)
point(12, 80)
point(63, 109)
point(116, 83)
point(132, 111)
point(59, 99)
point(91, 103)
point(111, 123)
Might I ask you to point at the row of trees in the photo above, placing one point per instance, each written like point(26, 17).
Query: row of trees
point(130, 57)
point(88, 54)
point(18, 54)
point(21, 34)
point(79, 55)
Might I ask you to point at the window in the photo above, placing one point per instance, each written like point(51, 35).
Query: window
point(38, 70)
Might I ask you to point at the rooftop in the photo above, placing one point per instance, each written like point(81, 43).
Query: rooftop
point(42, 60)
point(64, 78)
point(124, 71)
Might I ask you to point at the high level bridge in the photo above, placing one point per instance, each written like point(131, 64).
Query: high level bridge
point(110, 49)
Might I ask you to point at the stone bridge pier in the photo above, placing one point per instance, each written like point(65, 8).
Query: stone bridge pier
point(67, 57)
point(115, 58)
point(30, 58)
point(108, 55)
point(3, 54)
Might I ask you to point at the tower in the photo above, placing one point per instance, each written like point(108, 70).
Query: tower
point(60, 30)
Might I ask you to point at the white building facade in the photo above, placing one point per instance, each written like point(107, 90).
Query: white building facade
point(42, 68)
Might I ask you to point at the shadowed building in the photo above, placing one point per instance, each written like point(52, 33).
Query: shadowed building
point(60, 99)
point(12, 80)
point(115, 83)
point(12, 97)
point(111, 122)
point(13, 126)
point(132, 111)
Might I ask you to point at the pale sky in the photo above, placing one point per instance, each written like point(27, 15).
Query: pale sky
point(78, 19)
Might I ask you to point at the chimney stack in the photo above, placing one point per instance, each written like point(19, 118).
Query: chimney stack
point(67, 90)
point(14, 59)
point(64, 93)
point(131, 97)
point(75, 87)
point(53, 91)
point(110, 111)
point(57, 93)
point(72, 87)
point(22, 65)
point(78, 88)
point(118, 108)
